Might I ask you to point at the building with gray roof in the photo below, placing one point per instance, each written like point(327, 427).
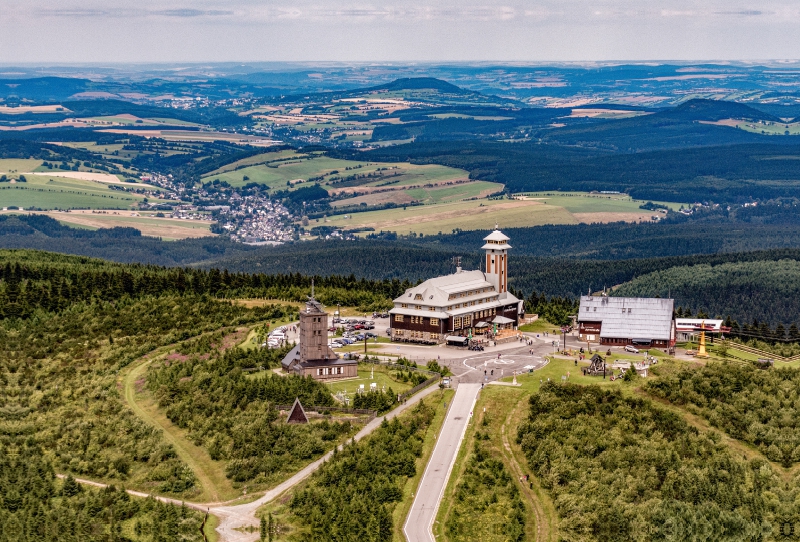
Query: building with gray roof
point(621, 321)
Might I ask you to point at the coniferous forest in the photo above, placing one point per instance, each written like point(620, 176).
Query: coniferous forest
point(622, 468)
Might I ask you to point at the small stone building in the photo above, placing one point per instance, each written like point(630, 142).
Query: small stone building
point(312, 356)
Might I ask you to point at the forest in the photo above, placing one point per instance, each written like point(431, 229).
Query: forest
point(621, 468)
point(35, 280)
point(764, 291)
point(353, 495)
point(35, 506)
point(204, 391)
point(756, 406)
point(726, 173)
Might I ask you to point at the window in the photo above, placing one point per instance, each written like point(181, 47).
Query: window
point(467, 320)
point(338, 370)
point(432, 308)
point(398, 317)
point(319, 372)
point(418, 297)
point(456, 322)
point(404, 305)
point(434, 321)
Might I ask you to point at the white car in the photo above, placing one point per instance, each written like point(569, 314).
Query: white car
point(336, 344)
point(277, 335)
point(632, 349)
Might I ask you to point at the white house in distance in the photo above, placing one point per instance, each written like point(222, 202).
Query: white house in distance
point(459, 304)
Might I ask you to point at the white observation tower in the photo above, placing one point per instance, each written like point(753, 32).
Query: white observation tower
point(496, 248)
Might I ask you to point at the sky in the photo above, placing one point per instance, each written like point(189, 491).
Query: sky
point(89, 31)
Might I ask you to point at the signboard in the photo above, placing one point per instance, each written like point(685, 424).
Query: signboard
point(590, 327)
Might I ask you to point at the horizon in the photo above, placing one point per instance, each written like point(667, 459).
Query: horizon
point(570, 30)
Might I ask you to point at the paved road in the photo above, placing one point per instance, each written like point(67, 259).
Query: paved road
point(429, 493)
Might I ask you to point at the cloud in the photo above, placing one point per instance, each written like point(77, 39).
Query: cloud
point(132, 13)
point(744, 13)
point(192, 12)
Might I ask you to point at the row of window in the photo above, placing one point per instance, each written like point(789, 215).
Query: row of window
point(471, 303)
point(325, 371)
point(416, 334)
point(416, 319)
point(470, 292)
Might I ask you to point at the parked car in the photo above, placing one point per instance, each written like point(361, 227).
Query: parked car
point(369, 325)
point(370, 335)
point(359, 337)
point(632, 349)
point(358, 326)
point(336, 344)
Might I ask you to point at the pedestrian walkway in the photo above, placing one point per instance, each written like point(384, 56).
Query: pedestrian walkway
point(418, 527)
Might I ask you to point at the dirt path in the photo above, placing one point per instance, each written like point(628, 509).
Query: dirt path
point(543, 509)
point(212, 481)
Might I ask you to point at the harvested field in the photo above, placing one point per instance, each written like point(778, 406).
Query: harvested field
point(605, 218)
point(84, 175)
point(166, 228)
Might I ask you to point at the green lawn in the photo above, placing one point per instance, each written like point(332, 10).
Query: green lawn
point(540, 326)
point(383, 377)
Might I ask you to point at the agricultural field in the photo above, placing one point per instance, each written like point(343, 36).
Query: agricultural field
point(532, 209)
point(169, 229)
point(18, 165)
point(287, 170)
point(762, 127)
point(445, 217)
point(51, 192)
point(196, 135)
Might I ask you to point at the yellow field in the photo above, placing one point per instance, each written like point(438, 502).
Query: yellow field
point(169, 229)
point(467, 215)
point(534, 209)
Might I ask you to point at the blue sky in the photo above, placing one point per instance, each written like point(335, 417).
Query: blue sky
point(33, 31)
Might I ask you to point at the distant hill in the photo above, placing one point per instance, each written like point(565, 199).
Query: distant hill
point(126, 245)
point(714, 110)
point(42, 89)
point(418, 83)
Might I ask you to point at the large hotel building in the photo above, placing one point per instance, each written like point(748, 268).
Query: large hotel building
point(460, 304)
